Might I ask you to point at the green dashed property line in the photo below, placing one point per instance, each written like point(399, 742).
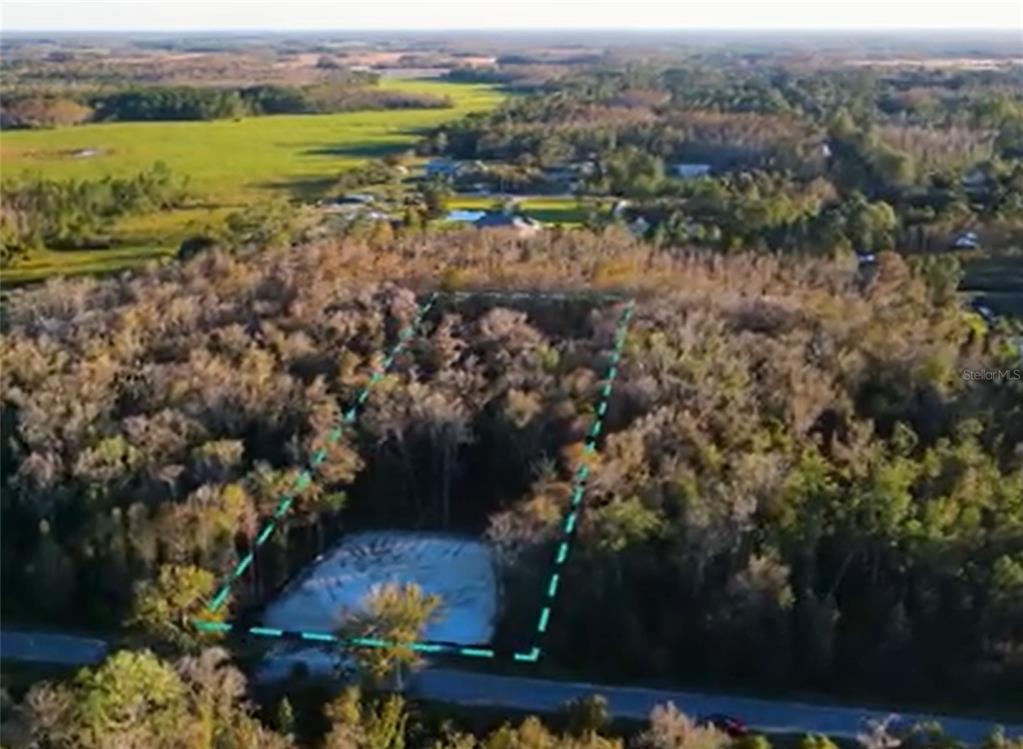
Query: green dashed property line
point(305, 477)
point(579, 489)
point(570, 523)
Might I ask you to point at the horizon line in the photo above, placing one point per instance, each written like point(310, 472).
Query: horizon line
point(577, 29)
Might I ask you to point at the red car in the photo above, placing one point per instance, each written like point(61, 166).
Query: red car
point(728, 724)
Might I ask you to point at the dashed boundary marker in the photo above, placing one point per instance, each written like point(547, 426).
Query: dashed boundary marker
point(571, 520)
point(569, 524)
point(305, 477)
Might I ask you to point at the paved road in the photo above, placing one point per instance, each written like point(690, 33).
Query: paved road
point(540, 695)
point(37, 647)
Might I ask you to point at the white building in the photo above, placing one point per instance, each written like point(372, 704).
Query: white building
point(690, 171)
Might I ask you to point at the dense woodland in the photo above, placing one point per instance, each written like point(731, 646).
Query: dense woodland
point(805, 481)
point(797, 485)
point(791, 151)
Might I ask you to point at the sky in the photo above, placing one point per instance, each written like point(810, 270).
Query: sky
point(283, 15)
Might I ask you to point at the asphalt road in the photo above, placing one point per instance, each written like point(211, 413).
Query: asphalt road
point(544, 696)
point(540, 695)
point(35, 647)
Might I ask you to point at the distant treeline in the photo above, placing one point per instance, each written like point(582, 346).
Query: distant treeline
point(477, 74)
point(198, 103)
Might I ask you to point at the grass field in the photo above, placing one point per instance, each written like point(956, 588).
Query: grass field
point(228, 163)
point(549, 209)
point(232, 160)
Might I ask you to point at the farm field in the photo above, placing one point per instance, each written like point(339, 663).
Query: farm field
point(230, 161)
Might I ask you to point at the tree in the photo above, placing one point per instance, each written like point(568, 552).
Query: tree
point(197, 244)
point(284, 720)
point(435, 195)
point(998, 740)
point(587, 715)
point(360, 723)
point(271, 224)
point(870, 226)
point(624, 523)
point(816, 741)
point(942, 274)
point(18, 236)
point(632, 172)
point(132, 701)
point(73, 213)
point(396, 615)
point(413, 218)
point(671, 729)
point(447, 423)
point(54, 572)
point(43, 112)
point(165, 607)
point(1006, 590)
point(136, 701)
point(878, 734)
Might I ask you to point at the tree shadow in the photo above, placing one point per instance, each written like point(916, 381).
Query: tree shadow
point(360, 150)
point(304, 188)
point(371, 150)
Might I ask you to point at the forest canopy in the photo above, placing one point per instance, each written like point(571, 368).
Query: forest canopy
point(793, 451)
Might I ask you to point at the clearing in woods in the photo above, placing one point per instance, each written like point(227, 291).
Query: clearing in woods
point(311, 604)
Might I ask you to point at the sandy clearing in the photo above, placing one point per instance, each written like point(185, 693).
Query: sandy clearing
point(460, 570)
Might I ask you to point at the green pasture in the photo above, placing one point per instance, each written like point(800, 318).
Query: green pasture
point(229, 161)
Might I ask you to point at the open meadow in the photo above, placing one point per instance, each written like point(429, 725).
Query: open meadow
point(228, 162)
point(232, 160)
